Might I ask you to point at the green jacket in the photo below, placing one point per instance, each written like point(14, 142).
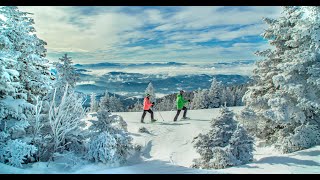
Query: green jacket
point(180, 101)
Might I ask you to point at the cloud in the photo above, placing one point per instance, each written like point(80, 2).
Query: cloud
point(64, 28)
point(199, 17)
point(99, 34)
point(241, 69)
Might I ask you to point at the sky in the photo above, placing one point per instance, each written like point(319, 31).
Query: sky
point(94, 34)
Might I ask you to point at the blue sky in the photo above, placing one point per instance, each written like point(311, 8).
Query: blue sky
point(96, 34)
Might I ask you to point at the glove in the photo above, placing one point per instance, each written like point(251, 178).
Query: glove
point(189, 100)
point(152, 103)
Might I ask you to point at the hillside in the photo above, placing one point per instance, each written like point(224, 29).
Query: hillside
point(168, 150)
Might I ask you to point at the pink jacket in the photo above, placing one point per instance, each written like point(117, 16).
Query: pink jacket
point(146, 103)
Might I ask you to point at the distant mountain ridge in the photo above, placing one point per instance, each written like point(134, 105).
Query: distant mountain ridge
point(110, 65)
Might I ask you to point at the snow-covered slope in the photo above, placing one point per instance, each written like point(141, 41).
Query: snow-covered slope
point(168, 149)
point(171, 141)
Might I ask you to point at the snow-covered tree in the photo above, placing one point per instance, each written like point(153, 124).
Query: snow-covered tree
point(111, 103)
point(27, 52)
point(286, 95)
point(115, 104)
point(215, 94)
point(200, 99)
point(150, 90)
point(166, 104)
point(137, 107)
point(93, 102)
point(226, 144)
point(66, 74)
point(24, 79)
point(109, 140)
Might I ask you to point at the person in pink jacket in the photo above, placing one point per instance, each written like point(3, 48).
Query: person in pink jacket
point(146, 108)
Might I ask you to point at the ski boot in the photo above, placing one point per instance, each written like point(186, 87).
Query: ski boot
point(185, 118)
point(153, 120)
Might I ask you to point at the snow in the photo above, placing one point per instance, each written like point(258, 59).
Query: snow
point(168, 150)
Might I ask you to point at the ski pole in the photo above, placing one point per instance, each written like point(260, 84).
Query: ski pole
point(159, 114)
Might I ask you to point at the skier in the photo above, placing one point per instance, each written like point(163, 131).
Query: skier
point(146, 108)
point(180, 106)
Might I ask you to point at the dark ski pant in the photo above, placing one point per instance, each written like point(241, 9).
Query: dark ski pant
point(145, 112)
point(178, 112)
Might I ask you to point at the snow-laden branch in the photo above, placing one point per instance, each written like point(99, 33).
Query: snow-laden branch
point(65, 117)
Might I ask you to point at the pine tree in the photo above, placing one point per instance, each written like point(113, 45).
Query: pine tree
point(137, 107)
point(166, 104)
point(115, 104)
point(150, 90)
point(226, 144)
point(111, 103)
point(66, 74)
point(109, 141)
point(105, 101)
point(286, 94)
point(200, 99)
point(215, 94)
point(24, 79)
point(28, 51)
point(93, 103)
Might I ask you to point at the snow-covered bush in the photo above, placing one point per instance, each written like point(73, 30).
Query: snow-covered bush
point(68, 160)
point(65, 120)
point(109, 141)
point(226, 144)
point(103, 148)
point(304, 136)
point(14, 124)
point(16, 152)
point(286, 94)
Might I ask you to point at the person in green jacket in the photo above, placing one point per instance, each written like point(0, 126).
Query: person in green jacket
point(180, 106)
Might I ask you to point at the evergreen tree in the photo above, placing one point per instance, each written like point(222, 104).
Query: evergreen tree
point(27, 53)
point(111, 103)
point(150, 90)
point(200, 99)
point(215, 94)
point(66, 74)
point(93, 102)
point(166, 104)
point(137, 107)
point(286, 93)
point(24, 79)
point(226, 144)
point(109, 141)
